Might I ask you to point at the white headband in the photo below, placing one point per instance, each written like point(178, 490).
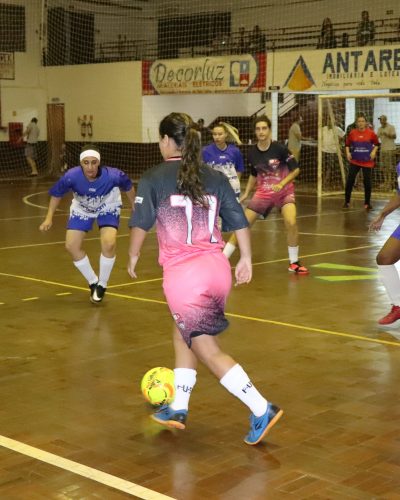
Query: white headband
point(89, 152)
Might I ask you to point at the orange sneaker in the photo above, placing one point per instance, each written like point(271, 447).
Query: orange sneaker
point(297, 268)
point(391, 316)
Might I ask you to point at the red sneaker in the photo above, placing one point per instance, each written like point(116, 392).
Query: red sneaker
point(391, 317)
point(297, 268)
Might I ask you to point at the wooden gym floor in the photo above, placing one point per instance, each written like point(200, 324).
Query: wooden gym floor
point(74, 424)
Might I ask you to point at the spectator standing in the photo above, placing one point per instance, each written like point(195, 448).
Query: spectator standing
point(32, 136)
point(331, 136)
point(242, 44)
point(365, 30)
point(204, 132)
point(387, 135)
point(256, 40)
point(397, 38)
point(327, 38)
point(294, 140)
point(345, 40)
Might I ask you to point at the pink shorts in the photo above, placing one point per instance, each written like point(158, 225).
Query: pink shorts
point(264, 205)
point(196, 290)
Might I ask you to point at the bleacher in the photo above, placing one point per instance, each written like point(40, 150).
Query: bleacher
point(285, 38)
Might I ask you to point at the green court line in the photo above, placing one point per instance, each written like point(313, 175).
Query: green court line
point(355, 277)
point(344, 267)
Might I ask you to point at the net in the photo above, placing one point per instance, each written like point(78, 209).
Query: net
point(83, 68)
point(337, 114)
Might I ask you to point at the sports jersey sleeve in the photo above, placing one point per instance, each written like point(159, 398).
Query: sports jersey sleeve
point(239, 163)
point(231, 211)
point(62, 186)
point(289, 159)
point(144, 215)
point(349, 138)
point(123, 181)
point(207, 158)
point(251, 162)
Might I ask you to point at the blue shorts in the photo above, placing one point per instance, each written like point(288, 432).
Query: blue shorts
point(86, 223)
point(396, 233)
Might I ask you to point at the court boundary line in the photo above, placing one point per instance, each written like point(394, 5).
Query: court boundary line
point(82, 470)
point(232, 315)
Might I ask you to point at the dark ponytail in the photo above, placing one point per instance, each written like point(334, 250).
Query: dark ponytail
point(181, 128)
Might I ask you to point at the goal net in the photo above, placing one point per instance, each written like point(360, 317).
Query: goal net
point(84, 69)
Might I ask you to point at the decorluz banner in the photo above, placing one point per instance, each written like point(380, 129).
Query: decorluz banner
point(338, 69)
point(206, 75)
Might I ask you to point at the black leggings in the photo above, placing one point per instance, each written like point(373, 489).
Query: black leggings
point(351, 177)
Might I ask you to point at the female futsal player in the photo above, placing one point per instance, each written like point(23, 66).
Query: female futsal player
point(273, 170)
point(96, 196)
point(361, 149)
point(387, 257)
point(224, 156)
point(185, 197)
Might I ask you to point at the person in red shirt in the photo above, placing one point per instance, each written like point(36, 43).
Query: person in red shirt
point(361, 148)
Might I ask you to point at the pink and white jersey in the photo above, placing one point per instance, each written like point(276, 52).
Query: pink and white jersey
point(183, 228)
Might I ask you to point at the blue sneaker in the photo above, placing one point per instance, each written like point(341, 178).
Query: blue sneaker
point(260, 426)
point(170, 418)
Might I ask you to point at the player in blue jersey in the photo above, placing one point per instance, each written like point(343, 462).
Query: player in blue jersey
point(388, 257)
point(96, 196)
point(224, 156)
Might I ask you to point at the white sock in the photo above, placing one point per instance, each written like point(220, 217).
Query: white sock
point(86, 269)
point(293, 254)
point(228, 250)
point(106, 265)
point(185, 379)
point(391, 281)
point(237, 382)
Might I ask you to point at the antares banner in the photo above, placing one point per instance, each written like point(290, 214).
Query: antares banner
point(338, 69)
point(206, 75)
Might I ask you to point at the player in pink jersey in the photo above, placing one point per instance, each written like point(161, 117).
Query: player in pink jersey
point(273, 169)
point(184, 198)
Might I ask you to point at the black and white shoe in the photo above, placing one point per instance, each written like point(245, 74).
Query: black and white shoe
point(92, 289)
point(97, 295)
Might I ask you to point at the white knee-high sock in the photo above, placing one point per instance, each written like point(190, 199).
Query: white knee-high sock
point(237, 382)
point(293, 254)
point(106, 265)
point(228, 250)
point(185, 380)
point(86, 269)
point(391, 281)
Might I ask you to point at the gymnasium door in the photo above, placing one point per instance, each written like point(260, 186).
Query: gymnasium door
point(55, 136)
